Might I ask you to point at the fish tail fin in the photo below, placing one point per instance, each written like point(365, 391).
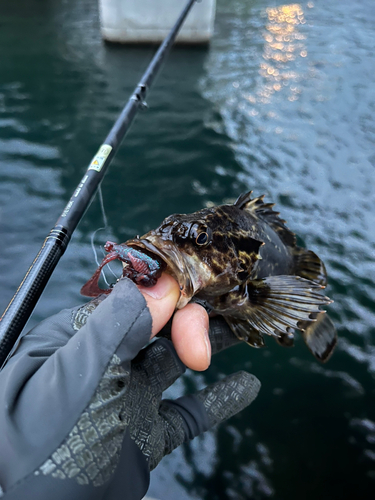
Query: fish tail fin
point(309, 266)
point(320, 336)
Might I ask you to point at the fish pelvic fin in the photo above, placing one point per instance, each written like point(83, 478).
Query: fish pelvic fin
point(244, 331)
point(276, 304)
point(320, 336)
point(308, 265)
point(256, 206)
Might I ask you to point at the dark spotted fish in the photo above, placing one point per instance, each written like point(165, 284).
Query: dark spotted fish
point(244, 262)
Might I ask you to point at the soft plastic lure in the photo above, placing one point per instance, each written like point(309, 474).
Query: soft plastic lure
point(139, 267)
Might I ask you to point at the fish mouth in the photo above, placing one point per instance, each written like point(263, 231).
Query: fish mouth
point(177, 265)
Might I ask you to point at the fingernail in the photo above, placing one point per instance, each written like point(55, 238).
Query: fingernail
point(207, 345)
point(163, 287)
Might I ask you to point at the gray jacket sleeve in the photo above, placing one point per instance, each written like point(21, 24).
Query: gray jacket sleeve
point(81, 409)
point(46, 389)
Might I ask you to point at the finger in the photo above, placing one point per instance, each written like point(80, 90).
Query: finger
point(221, 336)
point(161, 301)
point(179, 421)
point(190, 337)
point(229, 396)
point(185, 418)
point(158, 365)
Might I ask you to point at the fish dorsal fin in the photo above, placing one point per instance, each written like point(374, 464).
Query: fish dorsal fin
point(309, 266)
point(242, 200)
point(264, 211)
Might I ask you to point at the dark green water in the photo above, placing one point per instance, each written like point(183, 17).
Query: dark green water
point(282, 103)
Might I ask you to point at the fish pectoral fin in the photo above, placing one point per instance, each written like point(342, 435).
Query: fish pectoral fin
point(275, 304)
point(320, 336)
point(244, 331)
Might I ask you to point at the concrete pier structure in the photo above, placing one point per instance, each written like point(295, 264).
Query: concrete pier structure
point(149, 21)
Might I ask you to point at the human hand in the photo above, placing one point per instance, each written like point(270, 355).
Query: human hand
point(158, 426)
point(81, 401)
point(190, 325)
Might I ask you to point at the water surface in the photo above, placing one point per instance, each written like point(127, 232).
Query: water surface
point(282, 102)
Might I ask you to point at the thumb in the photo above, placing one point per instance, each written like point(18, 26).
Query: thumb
point(161, 300)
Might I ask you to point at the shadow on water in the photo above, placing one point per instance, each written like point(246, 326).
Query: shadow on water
point(291, 117)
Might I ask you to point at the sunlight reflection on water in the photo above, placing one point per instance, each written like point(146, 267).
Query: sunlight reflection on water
point(282, 103)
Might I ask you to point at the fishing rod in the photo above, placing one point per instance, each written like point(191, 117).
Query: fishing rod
point(24, 300)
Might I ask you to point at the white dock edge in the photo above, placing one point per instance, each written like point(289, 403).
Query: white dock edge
point(149, 21)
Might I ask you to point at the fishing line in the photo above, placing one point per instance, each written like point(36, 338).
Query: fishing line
point(96, 254)
point(105, 220)
point(28, 293)
point(105, 228)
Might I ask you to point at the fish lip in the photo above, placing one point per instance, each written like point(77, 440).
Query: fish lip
point(176, 264)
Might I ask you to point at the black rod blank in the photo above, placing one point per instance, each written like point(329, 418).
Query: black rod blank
point(26, 297)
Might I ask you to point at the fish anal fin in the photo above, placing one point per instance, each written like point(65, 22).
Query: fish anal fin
point(264, 211)
point(308, 265)
point(244, 331)
point(320, 336)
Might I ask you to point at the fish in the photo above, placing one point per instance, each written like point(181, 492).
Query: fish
point(244, 263)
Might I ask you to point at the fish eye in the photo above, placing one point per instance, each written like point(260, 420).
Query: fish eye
point(200, 234)
point(201, 239)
